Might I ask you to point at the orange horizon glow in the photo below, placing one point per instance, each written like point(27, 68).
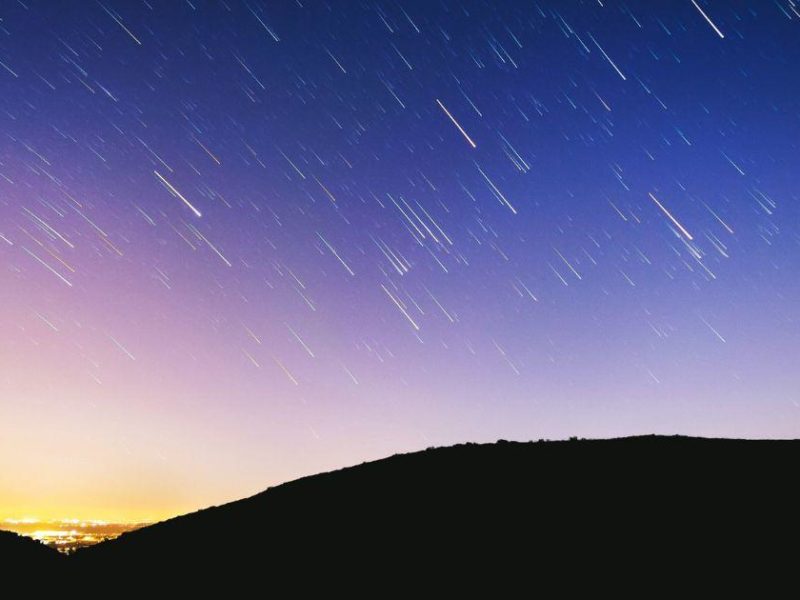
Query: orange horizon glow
point(87, 516)
point(68, 535)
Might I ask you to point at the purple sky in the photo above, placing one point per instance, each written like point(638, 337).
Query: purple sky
point(243, 242)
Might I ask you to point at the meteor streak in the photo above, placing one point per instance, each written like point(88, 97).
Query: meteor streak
point(673, 219)
point(172, 189)
point(453, 119)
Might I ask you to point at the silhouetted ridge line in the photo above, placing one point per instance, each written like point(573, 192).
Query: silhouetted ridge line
point(20, 552)
point(475, 511)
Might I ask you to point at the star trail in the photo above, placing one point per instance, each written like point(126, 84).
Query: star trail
point(243, 241)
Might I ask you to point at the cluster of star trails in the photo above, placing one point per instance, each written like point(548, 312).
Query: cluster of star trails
point(328, 195)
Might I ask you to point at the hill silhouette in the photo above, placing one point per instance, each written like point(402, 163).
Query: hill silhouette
point(20, 552)
point(573, 512)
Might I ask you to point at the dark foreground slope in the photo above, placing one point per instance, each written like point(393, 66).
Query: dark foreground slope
point(574, 510)
point(19, 552)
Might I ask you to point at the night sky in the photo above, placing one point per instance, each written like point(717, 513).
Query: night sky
point(246, 241)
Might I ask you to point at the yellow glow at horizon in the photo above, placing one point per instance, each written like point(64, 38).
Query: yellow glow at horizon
point(88, 517)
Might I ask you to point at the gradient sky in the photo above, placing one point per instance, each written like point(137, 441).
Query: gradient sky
point(246, 241)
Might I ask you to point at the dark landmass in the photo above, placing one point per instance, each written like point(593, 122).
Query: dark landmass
point(574, 512)
point(18, 551)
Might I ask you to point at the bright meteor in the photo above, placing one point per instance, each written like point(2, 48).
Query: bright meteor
point(708, 19)
point(172, 189)
point(453, 119)
point(673, 219)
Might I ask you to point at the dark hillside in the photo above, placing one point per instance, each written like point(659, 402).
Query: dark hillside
point(508, 510)
point(19, 553)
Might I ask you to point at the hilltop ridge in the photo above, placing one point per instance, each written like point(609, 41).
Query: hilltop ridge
point(469, 511)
